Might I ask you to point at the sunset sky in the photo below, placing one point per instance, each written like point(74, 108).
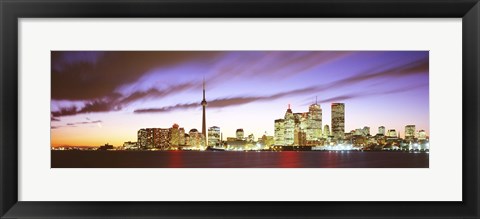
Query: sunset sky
point(105, 97)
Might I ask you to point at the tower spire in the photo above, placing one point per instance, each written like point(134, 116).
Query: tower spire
point(316, 100)
point(204, 88)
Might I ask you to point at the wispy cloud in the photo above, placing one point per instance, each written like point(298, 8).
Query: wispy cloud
point(414, 67)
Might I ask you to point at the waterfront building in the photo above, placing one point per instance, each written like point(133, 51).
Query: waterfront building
point(392, 133)
point(214, 136)
point(279, 132)
point(240, 134)
point(326, 131)
point(142, 138)
point(181, 139)
point(161, 138)
point(130, 145)
point(154, 138)
point(289, 127)
point(357, 132)
point(409, 132)
point(268, 141)
point(300, 137)
point(366, 131)
point(338, 120)
point(381, 130)
point(231, 138)
point(422, 135)
point(314, 123)
point(236, 144)
point(251, 138)
point(187, 140)
point(195, 138)
point(174, 135)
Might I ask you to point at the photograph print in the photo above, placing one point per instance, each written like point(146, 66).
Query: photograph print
point(239, 109)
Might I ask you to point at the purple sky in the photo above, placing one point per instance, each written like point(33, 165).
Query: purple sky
point(100, 97)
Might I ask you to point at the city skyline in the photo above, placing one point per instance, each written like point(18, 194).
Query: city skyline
point(250, 97)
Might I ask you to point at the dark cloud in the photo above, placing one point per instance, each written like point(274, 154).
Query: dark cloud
point(65, 111)
point(54, 119)
point(117, 102)
point(90, 76)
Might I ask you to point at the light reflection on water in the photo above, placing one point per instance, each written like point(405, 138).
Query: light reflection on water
point(219, 159)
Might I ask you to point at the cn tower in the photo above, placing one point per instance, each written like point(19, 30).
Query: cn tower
point(204, 125)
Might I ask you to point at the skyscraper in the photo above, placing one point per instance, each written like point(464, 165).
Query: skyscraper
point(392, 133)
point(422, 135)
point(204, 124)
point(142, 138)
point(366, 131)
point(410, 132)
point(240, 134)
point(326, 131)
point(181, 136)
point(314, 128)
point(338, 120)
point(174, 135)
point(279, 132)
point(289, 126)
point(381, 130)
point(213, 136)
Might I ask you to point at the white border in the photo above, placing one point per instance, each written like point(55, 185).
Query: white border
point(441, 182)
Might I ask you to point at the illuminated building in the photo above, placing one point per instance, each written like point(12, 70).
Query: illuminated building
point(213, 136)
point(338, 120)
point(251, 138)
point(174, 135)
point(181, 136)
point(410, 132)
point(195, 138)
point(240, 134)
point(187, 139)
point(142, 138)
point(268, 141)
point(392, 133)
point(235, 144)
point(358, 132)
point(204, 124)
point(289, 127)
point(300, 128)
point(161, 138)
point(154, 138)
point(300, 137)
point(422, 135)
point(130, 145)
point(366, 131)
point(326, 131)
point(314, 124)
point(381, 130)
point(279, 132)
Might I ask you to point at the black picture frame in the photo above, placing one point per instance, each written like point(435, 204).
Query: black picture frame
point(12, 10)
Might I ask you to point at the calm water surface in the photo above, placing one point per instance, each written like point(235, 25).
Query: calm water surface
point(225, 159)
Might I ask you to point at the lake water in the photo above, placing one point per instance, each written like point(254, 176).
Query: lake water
point(226, 159)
